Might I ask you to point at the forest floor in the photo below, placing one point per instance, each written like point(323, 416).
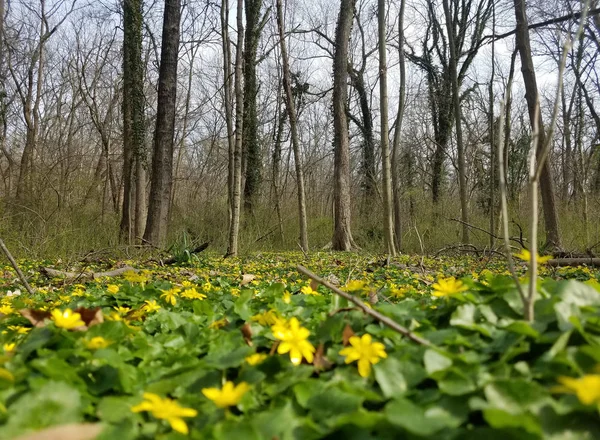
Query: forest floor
point(250, 348)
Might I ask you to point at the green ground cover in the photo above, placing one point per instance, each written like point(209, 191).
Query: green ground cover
point(249, 349)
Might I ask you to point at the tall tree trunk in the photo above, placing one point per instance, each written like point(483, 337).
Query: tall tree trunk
point(252, 150)
point(291, 110)
point(342, 232)
point(532, 98)
point(227, 97)
point(462, 171)
point(133, 120)
point(234, 227)
point(388, 221)
point(3, 109)
point(398, 131)
point(31, 111)
point(162, 158)
point(492, 134)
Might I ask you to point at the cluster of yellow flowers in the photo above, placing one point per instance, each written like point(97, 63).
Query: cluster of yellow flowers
point(168, 409)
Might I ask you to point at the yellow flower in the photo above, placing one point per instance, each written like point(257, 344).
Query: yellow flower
point(525, 255)
point(265, 318)
point(234, 291)
point(307, 290)
point(192, 293)
point(219, 323)
point(256, 358)
point(293, 339)
point(97, 342)
point(171, 295)
point(354, 286)
point(207, 287)
point(587, 388)
point(122, 310)
point(134, 277)
point(364, 351)
point(166, 409)
point(9, 348)
point(67, 319)
point(448, 287)
point(229, 395)
point(78, 292)
point(150, 306)
point(287, 297)
point(7, 310)
point(19, 329)
point(112, 288)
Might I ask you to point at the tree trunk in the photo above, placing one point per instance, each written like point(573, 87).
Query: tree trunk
point(532, 98)
point(462, 171)
point(388, 221)
point(162, 158)
point(227, 97)
point(291, 110)
point(234, 227)
point(342, 233)
point(133, 118)
point(250, 144)
point(398, 132)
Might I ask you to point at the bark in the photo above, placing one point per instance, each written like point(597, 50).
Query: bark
point(227, 97)
point(162, 159)
point(291, 111)
point(369, 181)
point(253, 159)
point(398, 131)
point(342, 233)
point(462, 179)
point(133, 121)
point(388, 221)
point(234, 227)
point(531, 96)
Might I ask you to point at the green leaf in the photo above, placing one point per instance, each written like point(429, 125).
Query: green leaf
point(404, 413)
point(388, 374)
point(241, 306)
point(54, 403)
point(498, 418)
point(435, 362)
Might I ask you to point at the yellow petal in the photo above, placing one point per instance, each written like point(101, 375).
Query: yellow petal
point(178, 425)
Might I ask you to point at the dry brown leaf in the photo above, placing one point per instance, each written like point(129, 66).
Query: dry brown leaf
point(247, 334)
point(90, 316)
point(347, 334)
point(373, 298)
point(274, 348)
point(247, 278)
point(83, 431)
point(314, 285)
point(320, 362)
point(36, 317)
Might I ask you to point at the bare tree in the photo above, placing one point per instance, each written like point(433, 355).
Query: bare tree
point(291, 111)
point(342, 232)
point(236, 194)
point(162, 159)
point(134, 129)
point(388, 220)
point(453, 61)
point(533, 105)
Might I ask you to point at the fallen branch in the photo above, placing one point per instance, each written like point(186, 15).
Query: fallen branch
point(52, 273)
point(366, 309)
point(16, 267)
point(583, 261)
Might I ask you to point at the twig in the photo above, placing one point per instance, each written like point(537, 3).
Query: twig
point(381, 318)
point(16, 267)
point(421, 265)
point(485, 231)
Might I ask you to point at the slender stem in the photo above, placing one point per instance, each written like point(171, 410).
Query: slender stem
point(366, 309)
point(16, 267)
